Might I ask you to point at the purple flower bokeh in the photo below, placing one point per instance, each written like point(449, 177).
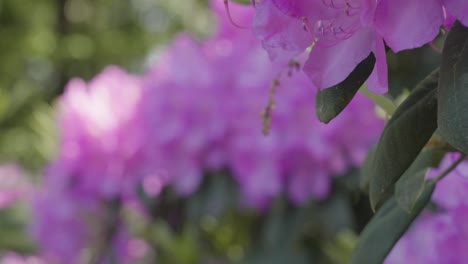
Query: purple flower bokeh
point(102, 159)
point(15, 258)
point(104, 134)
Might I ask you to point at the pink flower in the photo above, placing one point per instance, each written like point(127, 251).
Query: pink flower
point(104, 133)
point(341, 33)
point(104, 155)
point(60, 225)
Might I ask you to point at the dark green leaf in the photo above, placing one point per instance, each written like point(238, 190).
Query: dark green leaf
point(279, 237)
point(243, 2)
point(409, 129)
point(411, 184)
point(214, 197)
point(365, 170)
point(386, 228)
point(331, 101)
point(453, 89)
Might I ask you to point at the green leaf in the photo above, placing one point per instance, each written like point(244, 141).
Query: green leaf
point(279, 237)
point(453, 89)
point(409, 129)
point(243, 2)
point(365, 173)
point(331, 101)
point(411, 184)
point(386, 228)
point(381, 101)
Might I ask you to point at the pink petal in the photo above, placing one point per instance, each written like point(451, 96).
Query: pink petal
point(282, 36)
point(328, 66)
point(242, 15)
point(312, 9)
point(459, 9)
point(368, 12)
point(408, 24)
point(378, 80)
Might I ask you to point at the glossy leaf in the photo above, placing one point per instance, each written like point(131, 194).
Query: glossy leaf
point(243, 2)
point(453, 89)
point(365, 170)
point(331, 101)
point(409, 129)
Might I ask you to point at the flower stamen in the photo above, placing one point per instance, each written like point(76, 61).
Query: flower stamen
point(331, 4)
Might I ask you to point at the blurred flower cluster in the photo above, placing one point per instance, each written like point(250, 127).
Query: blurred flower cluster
point(441, 235)
point(102, 157)
point(198, 109)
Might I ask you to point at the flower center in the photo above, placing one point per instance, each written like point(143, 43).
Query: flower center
point(345, 22)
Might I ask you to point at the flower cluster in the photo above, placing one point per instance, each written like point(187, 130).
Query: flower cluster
point(440, 236)
point(342, 33)
point(101, 159)
point(104, 134)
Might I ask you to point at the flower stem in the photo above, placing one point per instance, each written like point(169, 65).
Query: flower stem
point(383, 102)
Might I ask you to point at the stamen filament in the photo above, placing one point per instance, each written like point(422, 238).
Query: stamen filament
point(226, 5)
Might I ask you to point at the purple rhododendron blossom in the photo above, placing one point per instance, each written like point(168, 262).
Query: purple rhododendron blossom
point(341, 33)
point(103, 133)
point(67, 217)
point(441, 236)
point(67, 225)
point(102, 159)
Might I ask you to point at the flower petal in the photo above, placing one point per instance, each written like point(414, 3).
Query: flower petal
point(328, 66)
point(459, 9)
point(282, 36)
point(378, 80)
point(313, 9)
point(408, 24)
